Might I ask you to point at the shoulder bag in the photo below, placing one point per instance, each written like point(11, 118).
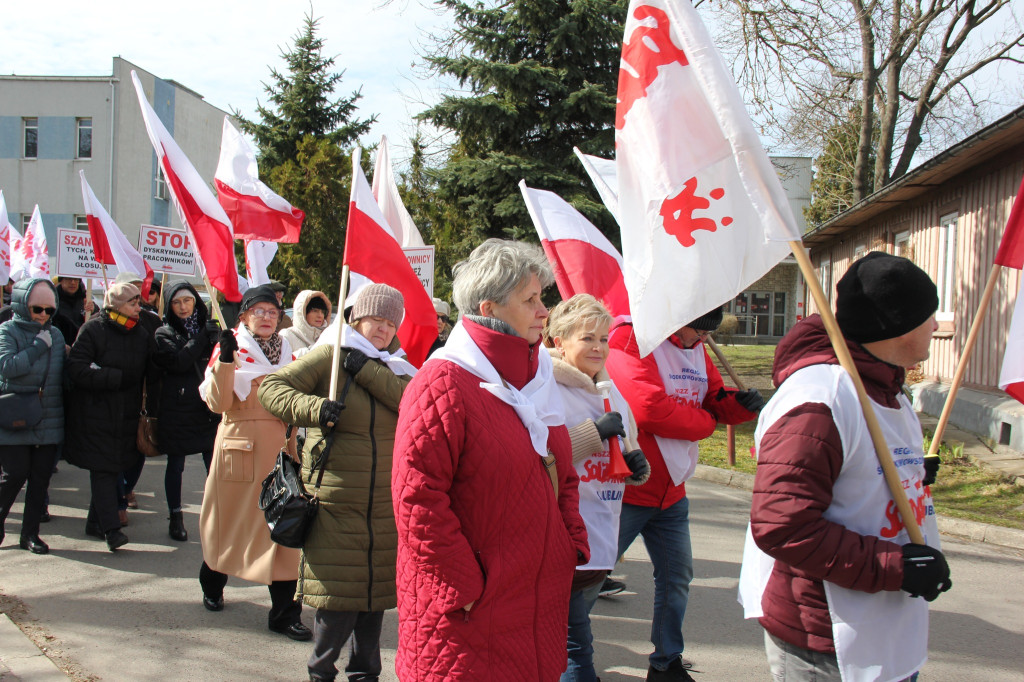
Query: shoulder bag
point(20, 411)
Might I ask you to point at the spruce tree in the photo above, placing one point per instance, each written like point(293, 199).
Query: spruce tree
point(541, 78)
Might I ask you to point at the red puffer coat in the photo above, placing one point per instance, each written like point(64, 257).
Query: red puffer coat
point(478, 522)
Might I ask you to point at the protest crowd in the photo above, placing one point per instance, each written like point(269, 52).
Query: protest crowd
point(489, 493)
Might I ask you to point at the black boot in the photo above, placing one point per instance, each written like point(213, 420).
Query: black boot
point(115, 539)
point(176, 529)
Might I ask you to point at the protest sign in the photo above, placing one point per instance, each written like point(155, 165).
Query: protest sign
point(167, 250)
point(75, 256)
point(421, 258)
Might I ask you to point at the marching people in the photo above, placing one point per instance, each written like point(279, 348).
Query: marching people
point(312, 315)
point(186, 425)
point(678, 398)
point(234, 534)
point(485, 494)
point(108, 365)
point(842, 592)
point(31, 364)
point(73, 304)
point(577, 330)
point(279, 290)
point(348, 559)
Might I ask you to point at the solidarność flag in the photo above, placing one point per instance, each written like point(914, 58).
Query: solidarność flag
point(6, 236)
point(30, 256)
point(115, 245)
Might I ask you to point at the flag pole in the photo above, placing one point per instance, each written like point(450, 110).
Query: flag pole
point(335, 365)
point(213, 302)
point(103, 269)
point(725, 363)
point(965, 355)
point(892, 477)
point(88, 296)
point(163, 290)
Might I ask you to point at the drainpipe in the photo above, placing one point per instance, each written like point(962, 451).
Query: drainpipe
point(110, 172)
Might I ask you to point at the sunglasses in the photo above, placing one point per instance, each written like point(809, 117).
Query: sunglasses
point(39, 310)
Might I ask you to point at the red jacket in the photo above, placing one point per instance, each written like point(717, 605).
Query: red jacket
point(657, 414)
point(798, 461)
point(478, 522)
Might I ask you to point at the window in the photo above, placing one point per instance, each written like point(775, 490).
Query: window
point(85, 138)
point(825, 276)
point(946, 280)
point(902, 242)
point(31, 126)
point(161, 185)
point(760, 313)
point(859, 252)
point(81, 222)
point(26, 218)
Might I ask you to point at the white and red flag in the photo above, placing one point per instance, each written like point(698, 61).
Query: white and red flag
point(372, 252)
point(582, 258)
point(1011, 255)
point(385, 191)
point(208, 225)
point(114, 244)
point(605, 177)
point(256, 212)
point(29, 255)
point(258, 255)
point(6, 236)
point(702, 211)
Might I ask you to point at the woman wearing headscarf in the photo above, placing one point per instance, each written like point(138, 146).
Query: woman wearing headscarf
point(108, 364)
point(485, 494)
point(234, 533)
point(186, 425)
point(348, 560)
point(31, 362)
point(312, 315)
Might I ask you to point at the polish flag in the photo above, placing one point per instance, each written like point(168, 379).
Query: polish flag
point(373, 253)
point(605, 177)
point(385, 191)
point(208, 225)
point(121, 251)
point(1011, 255)
point(258, 255)
point(6, 235)
point(29, 255)
point(582, 258)
point(702, 212)
point(255, 211)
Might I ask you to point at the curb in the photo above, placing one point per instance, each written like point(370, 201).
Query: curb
point(20, 659)
point(961, 528)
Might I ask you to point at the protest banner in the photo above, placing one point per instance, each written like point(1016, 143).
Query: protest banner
point(167, 250)
point(421, 258)
point(75, 255)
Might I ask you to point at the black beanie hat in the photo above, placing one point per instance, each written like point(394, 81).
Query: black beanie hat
point(261, 294)
point(709, 321)
point(317, 303)
point(881, 297)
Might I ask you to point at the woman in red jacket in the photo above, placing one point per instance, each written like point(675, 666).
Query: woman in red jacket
point(485, 493)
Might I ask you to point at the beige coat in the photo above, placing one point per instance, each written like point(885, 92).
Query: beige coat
point(235, 537)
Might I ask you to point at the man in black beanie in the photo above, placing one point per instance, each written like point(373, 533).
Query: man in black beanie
point(846, 596)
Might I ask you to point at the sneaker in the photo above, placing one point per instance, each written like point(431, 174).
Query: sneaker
point(611, 587)
point(676, 672)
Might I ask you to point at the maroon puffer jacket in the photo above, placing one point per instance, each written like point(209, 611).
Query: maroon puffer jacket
point(798, 462)
point(478, 522)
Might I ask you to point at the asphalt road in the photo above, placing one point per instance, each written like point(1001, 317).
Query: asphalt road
point(137, 614)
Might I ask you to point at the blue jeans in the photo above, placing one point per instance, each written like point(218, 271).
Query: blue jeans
point(666, 534)
point(581, 641)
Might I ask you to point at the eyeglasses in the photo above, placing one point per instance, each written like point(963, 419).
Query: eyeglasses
point(444, 318)
point(39, 310)
point(702, 332)
point(271, 314)
point(184, 300)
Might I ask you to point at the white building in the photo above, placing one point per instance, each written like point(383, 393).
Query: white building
point(53, 126)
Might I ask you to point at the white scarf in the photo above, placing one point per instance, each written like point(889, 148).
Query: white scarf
point(396, 361)
point(538, 404)
point(251, 364)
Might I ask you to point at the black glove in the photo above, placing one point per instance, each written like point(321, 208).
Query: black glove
point(212, 330)
point(750, 400)
point(637, 463)
point(610, 424)
point(931, 468)
point(354, 361)
point(228, 346)
point(330, 412)
point(925, 572)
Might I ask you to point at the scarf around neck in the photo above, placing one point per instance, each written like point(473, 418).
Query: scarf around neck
point(350, 338)
point(252, 363)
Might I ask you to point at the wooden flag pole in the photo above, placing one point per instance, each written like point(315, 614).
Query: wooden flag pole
point(730, 430)
point(213, 302)
point(88, 297)
point(103, 269)
point(892, 476)
point(163, 291)
point(965, 355)
point(335, 365)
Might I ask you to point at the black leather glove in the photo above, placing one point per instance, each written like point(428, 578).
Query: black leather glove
point(925, 572)
point(228, 346)
point(931, 468)
point(212, 330)
point(330, 412)
point(354, 361)
point(637, 463)
point(750, 400)
point(610, 424)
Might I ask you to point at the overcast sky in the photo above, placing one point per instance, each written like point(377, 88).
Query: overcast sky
point(223, 50)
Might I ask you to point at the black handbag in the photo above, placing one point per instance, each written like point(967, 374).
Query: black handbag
point(20, 411)
point(287, 507)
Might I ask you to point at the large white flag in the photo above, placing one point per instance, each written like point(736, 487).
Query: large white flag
point(385, 191)
point(258, 255)
point(702, 211)
point(30, 256)
point(103, 228)
point(6, 234)
point(605, 177)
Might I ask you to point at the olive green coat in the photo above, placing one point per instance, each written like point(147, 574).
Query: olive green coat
point(348, 561)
